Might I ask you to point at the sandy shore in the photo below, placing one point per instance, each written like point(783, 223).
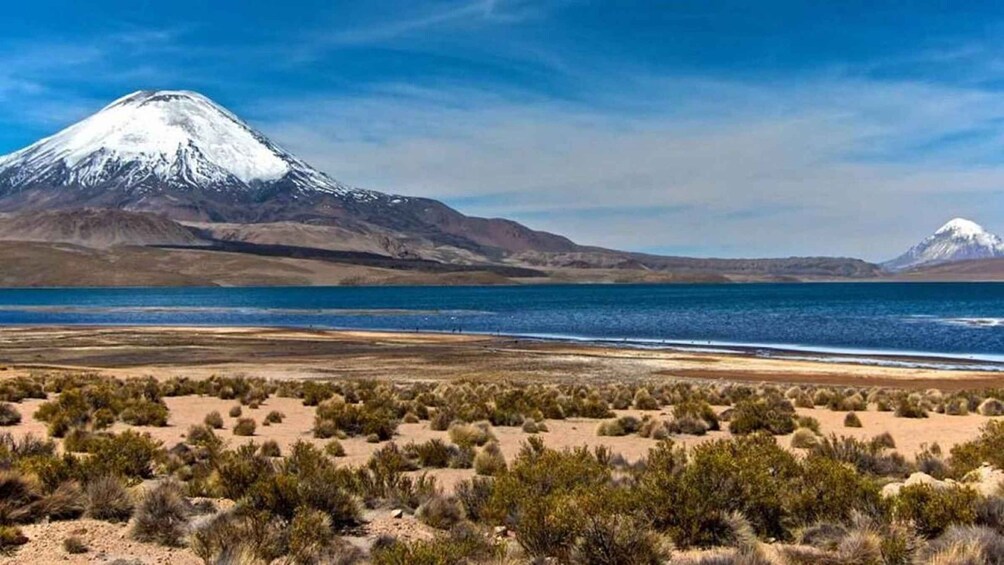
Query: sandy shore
point(306, 353)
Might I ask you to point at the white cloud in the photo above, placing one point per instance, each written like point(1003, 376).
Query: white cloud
point(814, 168)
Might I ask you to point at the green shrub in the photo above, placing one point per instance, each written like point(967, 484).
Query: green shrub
point(130, 455)
point(474, 494)
point(988, 447)
point(804, 438)
point(828, 490)
point(931, 510)
point(10, 538)
point(851, 420)
point(375, 417)
point(867, 457)
point(334, 448)
point(271, 449)
point(274, 417)
point(772, 414)
point(433, 453)
point(617, 540)
point(909, 408)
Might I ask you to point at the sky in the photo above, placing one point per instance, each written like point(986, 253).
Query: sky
point(708, 128)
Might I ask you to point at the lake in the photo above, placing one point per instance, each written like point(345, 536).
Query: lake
point(945, 320)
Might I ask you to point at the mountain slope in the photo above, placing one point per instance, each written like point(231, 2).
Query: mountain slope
point(97, 228)
point(179, 154)
point(958, 240)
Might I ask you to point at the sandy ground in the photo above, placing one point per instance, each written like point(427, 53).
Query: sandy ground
point(301, 354)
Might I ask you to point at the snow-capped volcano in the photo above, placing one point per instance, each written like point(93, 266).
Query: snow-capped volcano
point(156, 139)
point(958, 240)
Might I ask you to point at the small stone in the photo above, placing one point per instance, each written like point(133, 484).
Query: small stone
point(398, 513)
point(501, 531)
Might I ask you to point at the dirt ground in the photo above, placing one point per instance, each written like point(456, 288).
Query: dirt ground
point(305, 354)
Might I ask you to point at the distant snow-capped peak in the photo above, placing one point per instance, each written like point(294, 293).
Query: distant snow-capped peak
point(958, 240)
point(164, 137)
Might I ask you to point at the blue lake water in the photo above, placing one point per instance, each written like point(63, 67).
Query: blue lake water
point(964, 320)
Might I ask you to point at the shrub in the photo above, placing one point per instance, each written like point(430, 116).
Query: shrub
point(474, 494)
point(829, 490)
point(236, 411)
point(643, 400)
point(489, 461)
point(807, 422)
point(988, 447)
point(214, 420)
point(334, 448)
point(10, 538)
point(469, 435)
point(461, 546)
point(375, 417)
point(866, 457)
point(688, 425)
point(275, 417)
point(851, 420)
point(433, 453)
point(931, 510)
point(617, 540)
point(271, 449)
point(244, 427)
point(440, 512)
point(108, 499)
point(129, 454)
point(66, 502)
point(991, 407)
point(145, 413)
point(611, 428)
point(772, 414)
point(74, 545)
point(910, 408)
point(804, 438)
point(9, 416)
point(309, 534)
point(964, 545)
point(162, 515)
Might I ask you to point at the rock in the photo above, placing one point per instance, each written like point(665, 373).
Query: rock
point(987, 480)
point(397, 513)
point(892, 489)
point(501, 531)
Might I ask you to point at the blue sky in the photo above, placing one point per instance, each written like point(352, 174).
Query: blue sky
point(702, 128)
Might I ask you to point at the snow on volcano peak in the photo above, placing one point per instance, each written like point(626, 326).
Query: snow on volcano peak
point(958, 240)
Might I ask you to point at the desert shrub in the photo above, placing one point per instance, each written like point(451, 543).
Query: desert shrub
point(10, 538)
point(469, 435)
point(74, 545)
point(239, 469)
point(910, 408)
point(375, 417)
point(309, 534)
point(473, 495)
point(691, 499)
point(957, 406)
point(530, 426)
point(145, 413)
point(440, 512)
point(489, 461)
point(462, 458)
point(108, 499)
point(66, 502)
point(804, 438)
point(643, 400)
point(617, 540)
point(851, 420)
point(883, 440)
point(807, 422)
point(9, 416)
point(991, 407)
point(931, 510)
point(334, 448)
point(130, 455)
point(460, 546)
point(866, 456)
point(698, 410)
point(214, 420)
point(965, 545)
point(611, 428)
point(244, 427)
point(772, 414)
point(19, 498)
point(929, 461)
point(275, 417)
point(541, 496)
point(162, 515)
point(828, 490)
point(688, 425)
point(236, 411)
point(270, 449)
point(433, 453)
point(988, 447)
